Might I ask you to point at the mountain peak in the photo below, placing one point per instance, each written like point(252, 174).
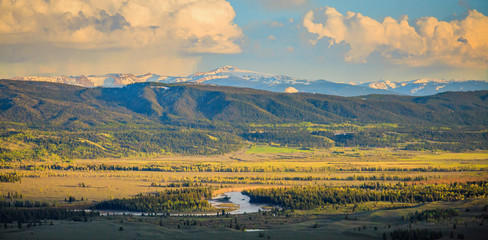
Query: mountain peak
point(232, 76)
point(382, 84)
point(225, 68)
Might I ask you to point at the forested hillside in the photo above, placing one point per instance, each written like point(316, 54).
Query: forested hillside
point(41, 120)
point(39, 102)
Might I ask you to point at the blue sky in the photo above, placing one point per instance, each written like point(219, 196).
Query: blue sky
point(319, 61)
point(341, 41)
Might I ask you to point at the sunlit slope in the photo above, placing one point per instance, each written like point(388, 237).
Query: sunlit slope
point(48, 103)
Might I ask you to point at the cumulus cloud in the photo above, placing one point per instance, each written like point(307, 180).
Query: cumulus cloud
point(428, 42)
point(173, 28)
point(190, 25)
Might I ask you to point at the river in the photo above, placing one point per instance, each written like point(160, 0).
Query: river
point(239, 199)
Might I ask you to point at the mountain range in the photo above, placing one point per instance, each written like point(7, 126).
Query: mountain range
point(236, 77)
point(77, 107)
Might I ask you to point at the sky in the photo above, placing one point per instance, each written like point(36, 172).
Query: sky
point(336, 40)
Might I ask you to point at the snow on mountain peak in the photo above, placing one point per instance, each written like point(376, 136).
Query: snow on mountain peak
point(429, 86)
point(228, 71)
point(384, 85)
point(291, 90)
point(232, 76)
point(222, 69)
point(436, 80)
point(428, 80)
point(225, 68)
point(108, 80)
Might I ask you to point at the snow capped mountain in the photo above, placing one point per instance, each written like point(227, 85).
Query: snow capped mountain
point(236, 77)
point(227, 72)
point(382, 85)
point(428, 86)
point(108, 80)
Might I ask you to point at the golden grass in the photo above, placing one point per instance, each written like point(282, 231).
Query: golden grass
point(55, 185)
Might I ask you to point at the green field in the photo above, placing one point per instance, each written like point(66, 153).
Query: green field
point(274, 149)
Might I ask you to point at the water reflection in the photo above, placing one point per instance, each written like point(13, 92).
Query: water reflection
point(239, 199)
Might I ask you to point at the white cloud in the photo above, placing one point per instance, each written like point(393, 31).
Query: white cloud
point(430, 41)
point(189, 25)
point(174, 29)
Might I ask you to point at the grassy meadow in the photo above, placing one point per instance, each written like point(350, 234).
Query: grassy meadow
point(89, 181)
point(253, 166)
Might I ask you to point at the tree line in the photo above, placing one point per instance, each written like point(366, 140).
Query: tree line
point(23, 215)
point(206, 167)
point(170, 200)
point(9, 177)
point(190, 182)
point(434, 214)
point(310, 197)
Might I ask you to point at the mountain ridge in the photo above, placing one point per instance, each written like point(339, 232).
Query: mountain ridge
point(426, 86)
point(77, 107)
point(236, 77)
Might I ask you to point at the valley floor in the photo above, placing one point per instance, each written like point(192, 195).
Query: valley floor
point(262, 166)
point(90, 181)
point(365, 225)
